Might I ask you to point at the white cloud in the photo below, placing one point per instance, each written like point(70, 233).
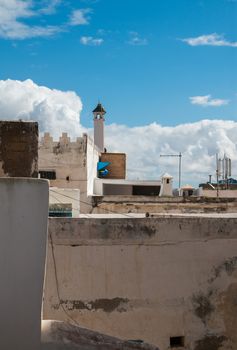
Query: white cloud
point(198, 142)
point(80, 17)
point(213, 39)
point(12, 14)
point(49, 6)
point(208, 101)
point(56, 111)
point(89, 40)
point(135, 39)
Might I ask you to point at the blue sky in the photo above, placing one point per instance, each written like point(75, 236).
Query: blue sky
point(169, 62)
point(165, 71)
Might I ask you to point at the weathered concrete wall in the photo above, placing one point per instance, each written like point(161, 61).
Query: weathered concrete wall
point(221, 194)
point(18, 149)
point(69, 160)
point(148, 279)
point(23, 240)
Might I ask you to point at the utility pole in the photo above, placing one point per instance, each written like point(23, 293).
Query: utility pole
point(180, 161)
point(217, 175)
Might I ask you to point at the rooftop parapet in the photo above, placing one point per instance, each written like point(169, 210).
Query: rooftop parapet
point(64, 142)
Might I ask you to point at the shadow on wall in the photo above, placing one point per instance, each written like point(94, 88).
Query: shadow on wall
point(23, 240)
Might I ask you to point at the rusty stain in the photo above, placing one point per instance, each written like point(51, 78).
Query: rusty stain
point(210, 342)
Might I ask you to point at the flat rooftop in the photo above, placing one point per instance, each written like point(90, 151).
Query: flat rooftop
point(161, 215)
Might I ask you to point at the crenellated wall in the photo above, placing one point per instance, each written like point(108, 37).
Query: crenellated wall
point(64, 143)
point(74, 163)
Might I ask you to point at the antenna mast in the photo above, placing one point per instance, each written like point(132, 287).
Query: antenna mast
point(180, 158)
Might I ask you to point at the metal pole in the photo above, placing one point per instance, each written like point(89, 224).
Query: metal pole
point(217, 176)
point(180, 169)
point(180, 157)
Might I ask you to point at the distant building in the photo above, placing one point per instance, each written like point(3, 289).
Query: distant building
point(86, 165)
point(187, 191)
point(112, 187)
point(70, 164)
point(224, 189)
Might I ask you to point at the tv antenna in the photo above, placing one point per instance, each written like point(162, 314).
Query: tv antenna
point(180, 161)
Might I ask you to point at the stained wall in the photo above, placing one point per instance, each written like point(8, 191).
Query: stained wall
point(18, 149)
point(148, 278)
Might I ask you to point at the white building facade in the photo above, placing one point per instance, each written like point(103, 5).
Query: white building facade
point(70, 165)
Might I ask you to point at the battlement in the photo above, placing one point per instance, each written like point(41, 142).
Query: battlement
point(63, 143)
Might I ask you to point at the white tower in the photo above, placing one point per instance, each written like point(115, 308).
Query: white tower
point(99, 113)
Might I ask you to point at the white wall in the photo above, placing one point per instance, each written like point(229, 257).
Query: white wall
point(166, 187)
point(23, 228)
point(119, 187)
point(99, 133)
point(92, 160)
point(74, 159)
point(98, 187)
